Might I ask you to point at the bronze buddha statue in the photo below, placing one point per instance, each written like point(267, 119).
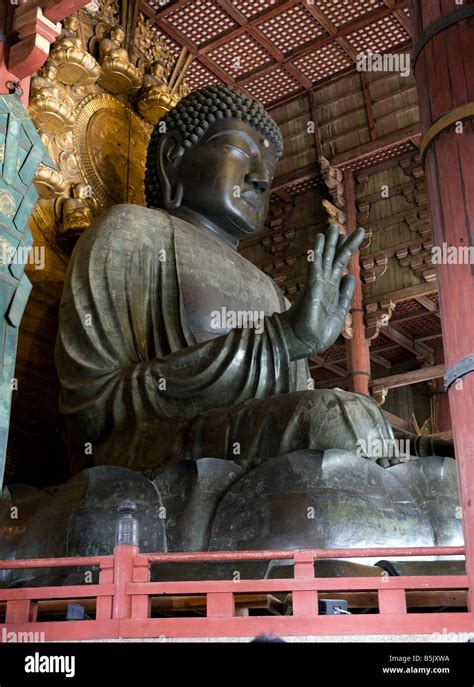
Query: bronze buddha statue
point(216, 423)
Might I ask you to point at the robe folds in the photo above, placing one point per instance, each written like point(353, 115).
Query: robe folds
point(150, 376)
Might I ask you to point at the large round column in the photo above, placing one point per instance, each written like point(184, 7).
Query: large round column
point(444, 70)
point(357, 348)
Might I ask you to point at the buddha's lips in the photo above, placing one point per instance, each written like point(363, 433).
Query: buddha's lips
point(253, 199)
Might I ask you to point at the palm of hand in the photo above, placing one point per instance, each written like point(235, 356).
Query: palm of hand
point(316, 318)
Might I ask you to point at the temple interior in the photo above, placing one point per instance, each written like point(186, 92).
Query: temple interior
point(374, 103)
point(299, 60)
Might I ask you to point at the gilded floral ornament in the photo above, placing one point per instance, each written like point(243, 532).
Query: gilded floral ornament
point(49, 182)
point(51, 109)
point(74, 64)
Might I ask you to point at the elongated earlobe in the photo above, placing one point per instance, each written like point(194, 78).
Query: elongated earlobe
point(170, 152)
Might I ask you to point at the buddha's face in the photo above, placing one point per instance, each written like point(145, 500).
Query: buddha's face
point(50, 72)
point(226, 177)
point(117, 34)
point(71, 23)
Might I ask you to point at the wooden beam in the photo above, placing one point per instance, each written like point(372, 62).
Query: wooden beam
point(359, 153)
point(299, 76)
point(398, 423)
point(417, 348)
point(368, 106)
point(383, 362)
point(301, 174)
point(314, 116)
point(235, 13)
point(428, 304)
point(148, 11)
point(320, 362)
point(424, 374)
point(406, 317)
point(56, 10)
point(406, 294)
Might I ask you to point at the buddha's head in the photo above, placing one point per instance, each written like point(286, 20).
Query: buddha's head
point(50, 71)
point(71, 24)
point(117, 34)
point(157, 68)
point(215, 155)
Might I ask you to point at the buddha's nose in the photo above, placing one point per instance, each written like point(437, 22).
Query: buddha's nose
point(257, 181)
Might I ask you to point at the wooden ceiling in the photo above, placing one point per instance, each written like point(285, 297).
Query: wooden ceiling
point(276, 49)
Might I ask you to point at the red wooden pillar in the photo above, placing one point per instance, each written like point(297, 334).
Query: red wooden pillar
point(443, 414)
point(444, 70)
point(357, 348)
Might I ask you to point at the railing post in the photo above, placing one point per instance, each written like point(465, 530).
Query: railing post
point(392, 601)
point(304, 602)
point(141, 603)
point(103, 609)
point(126, 548)
point(21, 611)
point(220, 605)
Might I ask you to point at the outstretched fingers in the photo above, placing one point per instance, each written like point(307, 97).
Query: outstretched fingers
point(316, 264)
point(330, 245)
point(346, 291)
point(347, 250)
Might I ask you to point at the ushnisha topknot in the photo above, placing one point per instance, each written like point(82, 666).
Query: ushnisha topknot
point(194, 114)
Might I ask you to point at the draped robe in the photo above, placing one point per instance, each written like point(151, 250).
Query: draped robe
point(146, 378)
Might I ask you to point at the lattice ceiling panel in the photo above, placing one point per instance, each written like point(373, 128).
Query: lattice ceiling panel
point(437, 345)
point(198, 76)
point(336, 352)
point(326, 61)
point(384, 34)
point(250, 8)
point(320, 373)
point(341, 12)
point(406, 308)
point(273, 86)
point(201, 20)
point(299, 187)
point(240, 55)
point(380, 156)
point(292, 28)
point(158, 5)
point(420, 326)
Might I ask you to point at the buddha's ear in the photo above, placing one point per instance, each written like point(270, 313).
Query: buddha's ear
point(170, 152)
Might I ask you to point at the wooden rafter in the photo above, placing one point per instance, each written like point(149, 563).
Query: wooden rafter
point(251, 26)
point(424, 374)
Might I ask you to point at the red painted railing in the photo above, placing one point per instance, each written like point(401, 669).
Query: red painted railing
point(124, 592)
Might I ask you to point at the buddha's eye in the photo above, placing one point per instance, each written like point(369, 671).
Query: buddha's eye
point(238, 150)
